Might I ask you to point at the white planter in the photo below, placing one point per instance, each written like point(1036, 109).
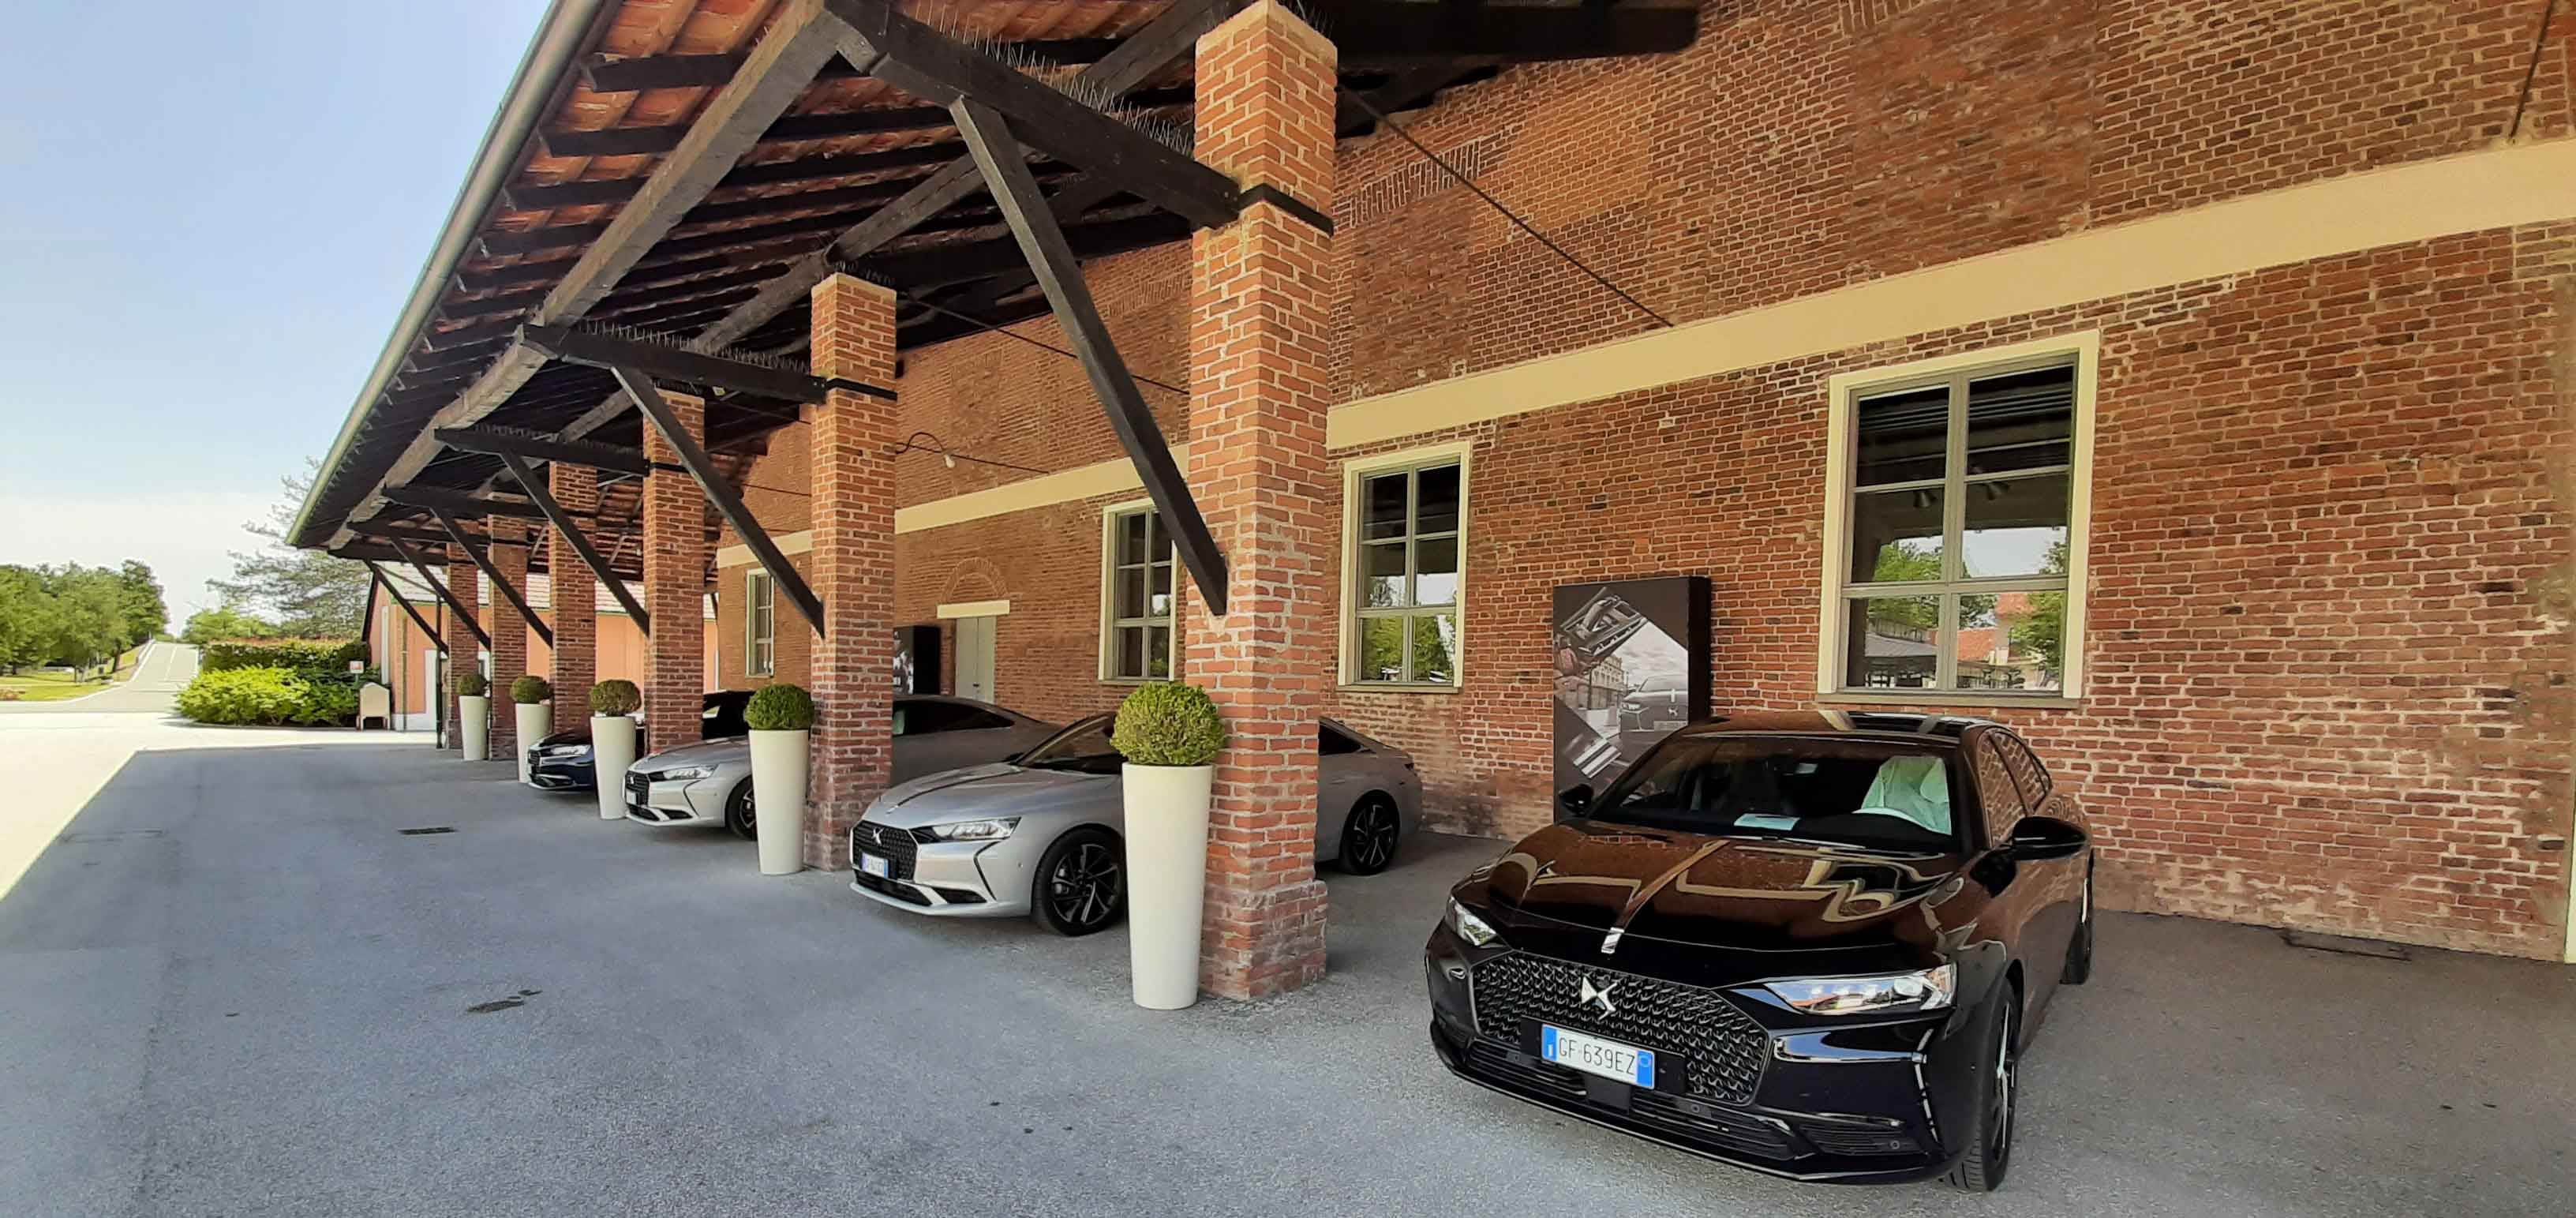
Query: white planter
point(534, 722)
point(778, 800)
point(612, 749)
point(1167, 835)
point(474, 715)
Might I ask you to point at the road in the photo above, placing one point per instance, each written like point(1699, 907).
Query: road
point(232, 986)
point(159, 673)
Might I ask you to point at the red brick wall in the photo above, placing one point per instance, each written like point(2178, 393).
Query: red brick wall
point(2325, 682)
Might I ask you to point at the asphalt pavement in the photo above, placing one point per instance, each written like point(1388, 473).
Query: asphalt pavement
point(234, 986)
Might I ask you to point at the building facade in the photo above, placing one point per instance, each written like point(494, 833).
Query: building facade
point(2187, 385)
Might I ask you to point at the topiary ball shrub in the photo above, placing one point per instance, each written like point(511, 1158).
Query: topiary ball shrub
point(530, 690)
point(615, 698)
point(1168, 723)
point(470, 684)
point(779, 707)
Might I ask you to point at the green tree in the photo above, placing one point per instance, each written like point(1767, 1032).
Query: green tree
point(1905, 562)
point(2043, 632)
point(313, 594)
point(26, 610)
point(146, 614)
point(87, 626)
point(226, 622)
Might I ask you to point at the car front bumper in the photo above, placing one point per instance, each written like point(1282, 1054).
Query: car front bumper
point(676, 803)
point(942, 879)
point(1852, 1105)
point(571, 772)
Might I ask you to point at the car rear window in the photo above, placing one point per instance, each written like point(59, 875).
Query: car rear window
point(1868, 793)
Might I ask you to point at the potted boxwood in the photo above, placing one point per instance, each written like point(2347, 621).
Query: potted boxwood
point(781, 718)
point(530, 694)
point(612, 742)
point(1169, 734)
point(474, 714)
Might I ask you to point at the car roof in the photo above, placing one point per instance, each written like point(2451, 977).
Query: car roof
point(1918, 727)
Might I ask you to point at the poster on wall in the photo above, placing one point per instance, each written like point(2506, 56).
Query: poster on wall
point(1632, 661)
point(916, 659)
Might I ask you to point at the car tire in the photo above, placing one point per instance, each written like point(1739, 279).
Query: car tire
point(1989, 1131)
point(739, 814)
point(1370, 835)
point(2079, 949)
point(1081, 884)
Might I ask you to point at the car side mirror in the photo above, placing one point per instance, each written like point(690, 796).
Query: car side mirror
point(2040, 838)
point(1575, 800)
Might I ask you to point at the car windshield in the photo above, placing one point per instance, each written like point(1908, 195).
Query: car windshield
point(1869, 793)
point(1084, 746)
point(721, 718)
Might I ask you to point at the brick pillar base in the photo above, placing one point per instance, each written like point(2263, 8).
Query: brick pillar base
point(509, 550)
point(466, 651)
point(1260, 311)
point(852, 564)
point(573, 594)
point(675, 575)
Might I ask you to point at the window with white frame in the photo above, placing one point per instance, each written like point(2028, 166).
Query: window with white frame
point(1405, 518)
point(759, 624)
point(1135, 595)
point(1958, 525)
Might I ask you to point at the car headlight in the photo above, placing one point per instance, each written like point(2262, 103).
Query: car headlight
point(974, 830)
point(1470, 927)
point(1928, 990)
point(685, 773)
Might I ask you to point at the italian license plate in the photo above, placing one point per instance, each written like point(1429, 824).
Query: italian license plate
point(1668, 725)
point(1593, 1055)
point(880, 868)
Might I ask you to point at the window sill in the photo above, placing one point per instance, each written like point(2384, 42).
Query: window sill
point(1389, 687)
point(1939, 698)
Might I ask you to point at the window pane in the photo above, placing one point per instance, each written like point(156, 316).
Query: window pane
point(1435, 571)
point(1892, 642)
point(1130, 599)
point(1158, 544)
point(2016, 526)
point(1382, 507)
point(1435, 500)
point(1160, 605)
point(2021, 421)
point(1381, 649)
point(1904, 437)
point(1131, 651)
point(2012, 640)
point(1131, 537)
point(1896, 536)
point(1435, 646)
point(1158, 652)
point(1382, 575)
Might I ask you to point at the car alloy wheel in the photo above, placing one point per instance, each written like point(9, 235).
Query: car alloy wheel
point(2000, 1108)
point(740, 815)
point(1369, 837)
point(1082, 891)
point(1989, 1135)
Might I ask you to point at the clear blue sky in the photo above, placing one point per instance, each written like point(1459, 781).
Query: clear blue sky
point(212, 216)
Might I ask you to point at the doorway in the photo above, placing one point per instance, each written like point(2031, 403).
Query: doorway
point(975, 624)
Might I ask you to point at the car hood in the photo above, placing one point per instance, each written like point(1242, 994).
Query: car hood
point(578, 735)
point(998, 789)
point(1724, 892)
point(704, 752)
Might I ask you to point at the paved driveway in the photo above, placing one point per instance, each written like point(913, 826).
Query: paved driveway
point(159, 672)
point(233, 988)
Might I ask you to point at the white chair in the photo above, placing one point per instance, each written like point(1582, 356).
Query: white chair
point(375, 702)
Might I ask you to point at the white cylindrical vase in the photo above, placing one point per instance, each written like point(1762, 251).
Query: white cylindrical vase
point(778, 800)
point(535, 720)
point(1167, 835)
point(612, 749)
point(474, 715)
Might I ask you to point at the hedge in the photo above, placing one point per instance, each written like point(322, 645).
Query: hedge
point(332, 655)
point(273, 696)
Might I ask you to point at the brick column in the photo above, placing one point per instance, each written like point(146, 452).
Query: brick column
point(466, 580)
point(1260, 305)
point(573, 593)
point(509, 550)
point(851, 565)
point(675, 583)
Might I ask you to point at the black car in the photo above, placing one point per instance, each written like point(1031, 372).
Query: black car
point(1812, 945)
point(561, 761)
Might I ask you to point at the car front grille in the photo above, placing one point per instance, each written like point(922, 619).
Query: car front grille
point(638, 788)
point(1721, 1046)
point(900, 892)
point(896, 846)
point(1653, 1111)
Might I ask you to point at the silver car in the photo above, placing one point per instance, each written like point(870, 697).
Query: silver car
point(1042, 834)
point(708, 782)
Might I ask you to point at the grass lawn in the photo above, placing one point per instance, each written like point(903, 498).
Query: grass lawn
point(57, 686)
